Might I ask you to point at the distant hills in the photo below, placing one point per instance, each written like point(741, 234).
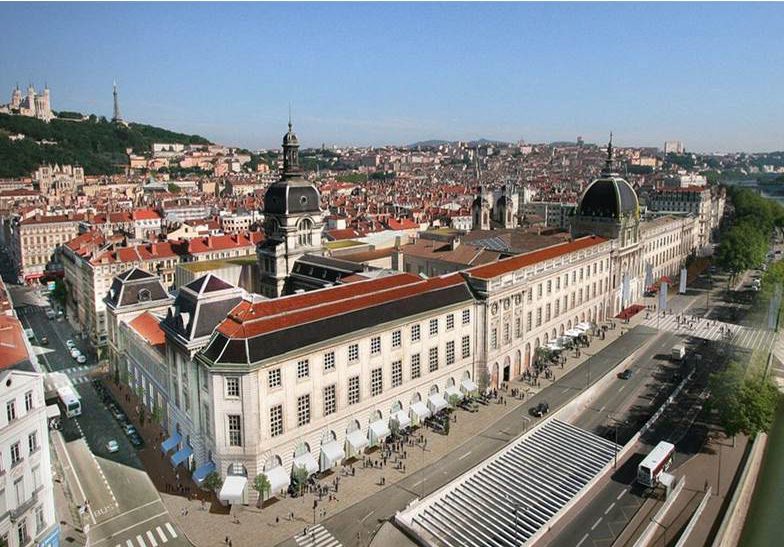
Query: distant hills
point(437, 142)
point(95, 143)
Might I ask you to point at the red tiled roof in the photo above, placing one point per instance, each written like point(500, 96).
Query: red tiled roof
point(148, 327)
point(12, 345)
point(146, 214)
point(51, 219)
point(248, 320)
point(507, 265)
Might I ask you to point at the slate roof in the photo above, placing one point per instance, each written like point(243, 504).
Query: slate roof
point(609, 197)
point(199, 307)
point(135, 286)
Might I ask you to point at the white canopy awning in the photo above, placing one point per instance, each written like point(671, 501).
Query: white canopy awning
point(357, 440)
point(232, 489)
point(584, 326)
point(379, 430)
point(278, 478)
point(436, 403)
point(52, 411)
point(307, 461)
point(572, 333)
point(555, 346)
point(331, 455)
point(420, 409)
point(452, 391)
point(468, 385)
point(401, 418)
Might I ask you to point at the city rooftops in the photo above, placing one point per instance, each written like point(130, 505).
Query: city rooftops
point(517, 262)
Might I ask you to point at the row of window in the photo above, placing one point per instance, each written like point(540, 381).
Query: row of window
point(582, 273)
point(353, 391)
point(275, 376)
point(10, 407)
point(16, 449)
point(549, 312)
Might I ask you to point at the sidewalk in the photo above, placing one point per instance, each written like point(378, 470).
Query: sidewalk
point(65, 509)
point(211, 527)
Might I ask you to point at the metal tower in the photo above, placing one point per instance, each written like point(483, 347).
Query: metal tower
point(117, 117)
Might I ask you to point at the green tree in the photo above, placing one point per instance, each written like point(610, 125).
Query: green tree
point(745, 403)
point(299, 477)
point(213, 481)
point(261, 484)
point(60, 292)
point(157, 415)
point(742, 247)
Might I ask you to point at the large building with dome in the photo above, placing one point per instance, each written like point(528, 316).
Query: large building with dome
point(307, 380)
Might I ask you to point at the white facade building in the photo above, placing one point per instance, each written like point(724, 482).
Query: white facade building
point(26, 494)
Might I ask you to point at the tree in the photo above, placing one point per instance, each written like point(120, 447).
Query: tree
point(299, 476)
point(157, 415)
point(745, 403)
point(261, 484)
point(741, 248)
point(213, 481)
point(60, 292)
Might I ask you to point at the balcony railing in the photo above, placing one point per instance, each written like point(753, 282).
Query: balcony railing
point(24, 507)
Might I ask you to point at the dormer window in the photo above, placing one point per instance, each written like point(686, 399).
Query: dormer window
point(144, 295)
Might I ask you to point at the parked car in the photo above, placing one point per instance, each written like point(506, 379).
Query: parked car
point(70, 344)
point(541, 409)
point(75, 353)
point(626, 374)
point(136, 440)
point(119, 415)
point(113, 446)
point(44, 341)
point(81, 359)
point(129, 430)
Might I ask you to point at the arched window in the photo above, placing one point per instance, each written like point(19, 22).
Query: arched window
point(305, 232)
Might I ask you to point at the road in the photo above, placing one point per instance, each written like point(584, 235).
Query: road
point(124, 507)
point(601, 518)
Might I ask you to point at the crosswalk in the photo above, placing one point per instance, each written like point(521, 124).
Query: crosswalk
point(80, 374)
point(738, 335)
point(317, 536)
point(152, 537)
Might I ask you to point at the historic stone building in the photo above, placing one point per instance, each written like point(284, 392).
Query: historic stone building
point(32, 105)
point(293, 222)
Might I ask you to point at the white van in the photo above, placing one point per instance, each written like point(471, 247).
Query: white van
point(678, 352)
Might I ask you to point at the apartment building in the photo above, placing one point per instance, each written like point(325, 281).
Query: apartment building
point(705, 203)
point(88, 277)
point(26, 494)
point(35, 239)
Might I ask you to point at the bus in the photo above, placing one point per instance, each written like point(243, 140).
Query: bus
point(655, 463)
point(69, 400)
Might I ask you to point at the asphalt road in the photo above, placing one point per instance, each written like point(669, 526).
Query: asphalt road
point(360, 521)
point(124, 506)
point(602, 518)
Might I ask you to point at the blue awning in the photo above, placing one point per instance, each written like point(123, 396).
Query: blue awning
point(201, 472)
point(170, 443)
point(181, 456)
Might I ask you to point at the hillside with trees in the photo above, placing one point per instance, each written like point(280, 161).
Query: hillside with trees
point(95, 143)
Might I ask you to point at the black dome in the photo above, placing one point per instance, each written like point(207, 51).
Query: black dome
point(291, 196)
point(610, 197)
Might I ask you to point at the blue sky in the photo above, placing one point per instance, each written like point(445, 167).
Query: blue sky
point(711, 75)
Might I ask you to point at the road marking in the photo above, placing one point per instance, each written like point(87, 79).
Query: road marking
point(126, 513)
point(620, 495)
point(564, 390)
point(602, 409)
point(129, 543)
point(595, 524)
point(140, 541)
point(609, 508)
point(118, 532)
point(582, 540)
point(151, 538)
point(366, 516)
point(170, 528)
point(161, 534)
point(464, 455)
point(621, 388)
